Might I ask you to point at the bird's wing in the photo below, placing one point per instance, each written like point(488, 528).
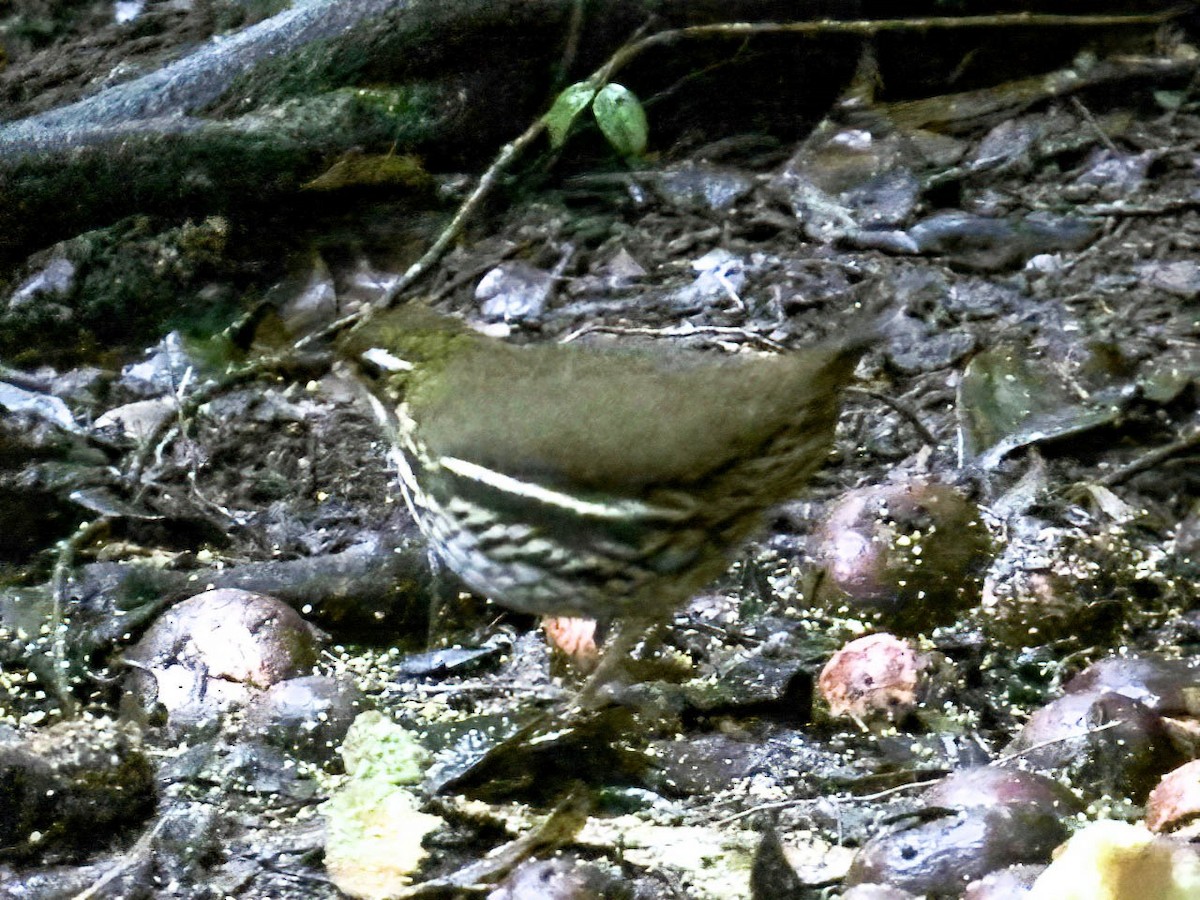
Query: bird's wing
point(619, 423)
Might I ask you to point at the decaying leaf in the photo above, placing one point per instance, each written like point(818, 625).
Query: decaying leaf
point(1006, 401)
point(374, 825)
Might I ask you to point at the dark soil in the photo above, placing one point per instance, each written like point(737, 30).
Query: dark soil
point(1092, 531)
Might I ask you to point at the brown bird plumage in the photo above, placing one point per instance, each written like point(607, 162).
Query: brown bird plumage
point(566, 480)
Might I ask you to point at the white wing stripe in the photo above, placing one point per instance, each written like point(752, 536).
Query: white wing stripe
point(622, 509)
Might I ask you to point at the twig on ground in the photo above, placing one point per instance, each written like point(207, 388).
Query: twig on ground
point(59, 580)
point(139, 853)
point(674, 331)
point(903, 410)
point(1093, 124)
point(155, 442)
point(1050, 742)
point(513, 150)
point(559, 828)
point(1152, 458)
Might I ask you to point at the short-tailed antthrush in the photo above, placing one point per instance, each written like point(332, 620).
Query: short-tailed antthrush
point(567, 480)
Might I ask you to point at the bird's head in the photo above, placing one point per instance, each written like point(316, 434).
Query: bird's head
point(392, 344)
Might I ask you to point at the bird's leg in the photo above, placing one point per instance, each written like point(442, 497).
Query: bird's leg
point(437, 600)
point(447, 612)
point(616, 657)
point(452, 611)
point(572, 641)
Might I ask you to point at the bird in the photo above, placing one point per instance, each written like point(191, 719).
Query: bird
point(567, 480)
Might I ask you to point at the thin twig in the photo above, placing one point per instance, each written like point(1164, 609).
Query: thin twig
point(570, 45)
point(1095, 126)
point(1152, 458)
point(901, 788)
point(1050, 742)
point(473, 273)
point(898, 789)
point(138, 853)
point(189, 406)
point(1161, 207)
point(903, 410)
point(512, 151)
point(59, 579)
point(418, 270)
point(871, 27)
point(674, 331)
point(836, 798)
point(557, 829)
point(761, 807)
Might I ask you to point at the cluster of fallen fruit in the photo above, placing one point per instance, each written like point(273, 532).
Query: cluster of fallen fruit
point(1123, 728)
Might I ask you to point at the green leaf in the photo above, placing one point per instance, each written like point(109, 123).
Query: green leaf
point(567, 106)
point(621, 118)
